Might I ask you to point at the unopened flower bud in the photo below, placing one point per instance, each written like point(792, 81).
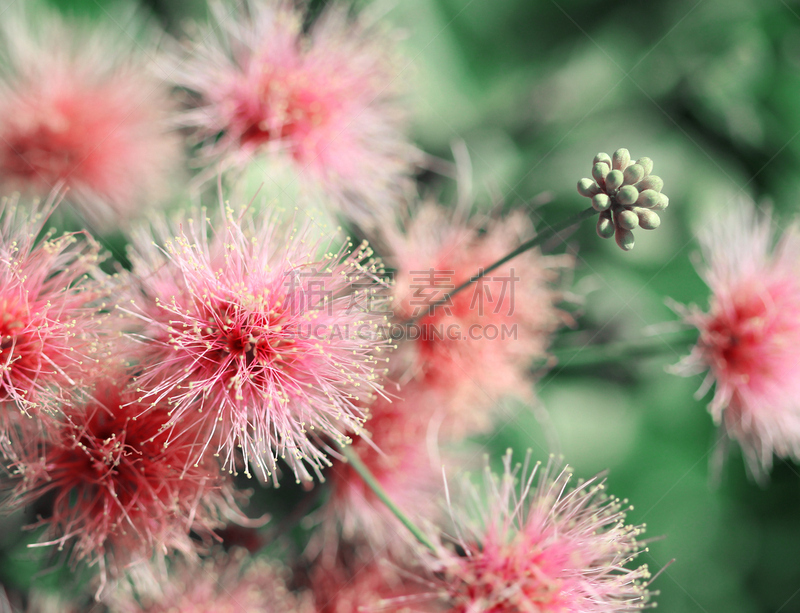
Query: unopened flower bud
point(624, 239)
point(605, 227)
point(646, 164)
point(601, 202)
point(648, 199)
point(621, 159)
point(627, 195)
point(588, 188)
point(599, 172)
point(627, 219)
point(648, 220)
point(663, 203)
point(651, 182)
point(614, 180)
point(602, 157)
point(633, 174)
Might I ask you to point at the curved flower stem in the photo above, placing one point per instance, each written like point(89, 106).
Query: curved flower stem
point(537, 240)
point(372, 483)
point(621, 351)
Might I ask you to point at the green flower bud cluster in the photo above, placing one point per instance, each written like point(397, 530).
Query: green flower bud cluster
point(625, 194)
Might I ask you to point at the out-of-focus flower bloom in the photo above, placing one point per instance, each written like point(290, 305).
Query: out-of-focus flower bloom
point(44, 602)
point(326, 98)
point(750, 336)
point(396, 452)
point(480, 345)
point(273, 344)
point(121, 493)
point(49, 328)
point(626, 194)
point(350, 586)
point(528, 544)
point(78, 108)
point(222, 584)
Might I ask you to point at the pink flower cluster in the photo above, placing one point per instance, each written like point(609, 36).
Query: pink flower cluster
point(140, 387)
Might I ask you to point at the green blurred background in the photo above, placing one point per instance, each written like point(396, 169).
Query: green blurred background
point(710, 90)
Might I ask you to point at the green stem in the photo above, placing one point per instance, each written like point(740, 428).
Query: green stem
point(537, 240)
point(372, 483)
point(621, 351)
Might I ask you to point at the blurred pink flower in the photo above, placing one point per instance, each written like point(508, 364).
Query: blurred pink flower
point(326, 98)
point(49, 297)
point(524, 543)
point(750, 337)
point(222, 584)
point(119, 492)
point(78, 108)
point(483, 344)
point(253, 329)
point(351, 586)
point(396, 451)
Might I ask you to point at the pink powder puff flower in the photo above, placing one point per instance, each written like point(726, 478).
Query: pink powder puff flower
point(122, 493)
point(397, 453)
point(78, 108)
point(528, 544)
point(750, 336)
point(480, 346)
point(277, 341)
point(326, 98)
point(49, 321)
point(222, 584)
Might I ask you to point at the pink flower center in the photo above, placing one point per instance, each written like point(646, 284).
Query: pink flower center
point(235, 339)
point(510, 577)
point(45, 145)
point(113, 464)
point(20, 351)
point(284, 107)
point(736, 338)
